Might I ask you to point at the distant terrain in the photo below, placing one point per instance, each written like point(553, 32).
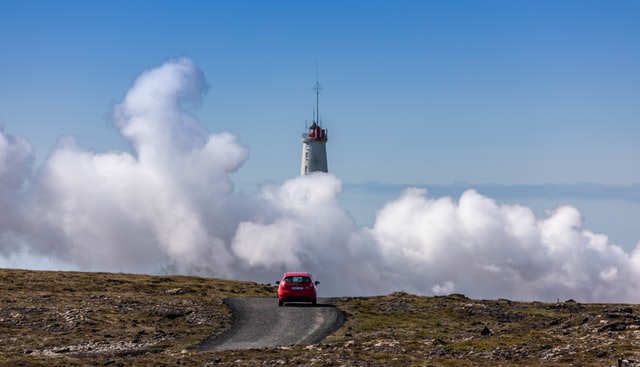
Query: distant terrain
point(106, 319)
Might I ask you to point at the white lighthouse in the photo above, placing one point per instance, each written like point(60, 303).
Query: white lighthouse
point(314, 143)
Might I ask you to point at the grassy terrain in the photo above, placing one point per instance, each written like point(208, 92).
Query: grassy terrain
point(78, 319)
point(71, 318)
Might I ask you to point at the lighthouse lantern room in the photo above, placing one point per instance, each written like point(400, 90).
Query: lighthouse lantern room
point(314, 143)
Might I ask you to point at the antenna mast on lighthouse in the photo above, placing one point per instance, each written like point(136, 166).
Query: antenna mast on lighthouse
point(317, 88)
point(314, 142)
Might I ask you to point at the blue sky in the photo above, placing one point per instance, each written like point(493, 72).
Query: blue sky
point(415, 92)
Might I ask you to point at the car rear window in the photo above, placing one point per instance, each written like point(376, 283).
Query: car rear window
point(297, 279)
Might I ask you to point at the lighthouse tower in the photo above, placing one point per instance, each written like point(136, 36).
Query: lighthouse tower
point(314, 143)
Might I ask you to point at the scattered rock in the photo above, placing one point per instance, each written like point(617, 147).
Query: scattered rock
point(486, 331)
point(628, 363)
point(614, 326)
point(169, 312)
point(178, 291)
point(600, 353)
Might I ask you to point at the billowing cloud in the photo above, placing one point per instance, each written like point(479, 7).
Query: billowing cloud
point(170, 206)
point(16, 158)
point(484, 249)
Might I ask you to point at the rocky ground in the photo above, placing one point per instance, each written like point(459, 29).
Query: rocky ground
point(103, 319)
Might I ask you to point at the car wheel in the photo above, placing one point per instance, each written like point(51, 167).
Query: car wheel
point(313, 303)
point(280, 303)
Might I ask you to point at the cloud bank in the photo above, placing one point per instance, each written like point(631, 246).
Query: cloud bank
point(170, 206)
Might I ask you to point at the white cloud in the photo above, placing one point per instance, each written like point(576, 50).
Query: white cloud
point(171, 205)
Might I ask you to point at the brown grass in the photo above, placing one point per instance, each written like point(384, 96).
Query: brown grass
point(78, 319)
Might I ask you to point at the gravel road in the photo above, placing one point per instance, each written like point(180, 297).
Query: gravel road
point(261, 323)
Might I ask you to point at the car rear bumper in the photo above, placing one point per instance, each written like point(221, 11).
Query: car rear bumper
point(293, 298)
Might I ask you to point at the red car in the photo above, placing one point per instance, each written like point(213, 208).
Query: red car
point(297, 287)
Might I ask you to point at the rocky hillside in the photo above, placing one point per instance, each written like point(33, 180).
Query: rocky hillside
point(103, 319)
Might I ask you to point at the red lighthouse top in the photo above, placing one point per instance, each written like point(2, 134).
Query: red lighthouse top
point(316, 133)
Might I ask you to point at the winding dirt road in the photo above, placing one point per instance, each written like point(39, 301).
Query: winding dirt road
point(261, 323)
